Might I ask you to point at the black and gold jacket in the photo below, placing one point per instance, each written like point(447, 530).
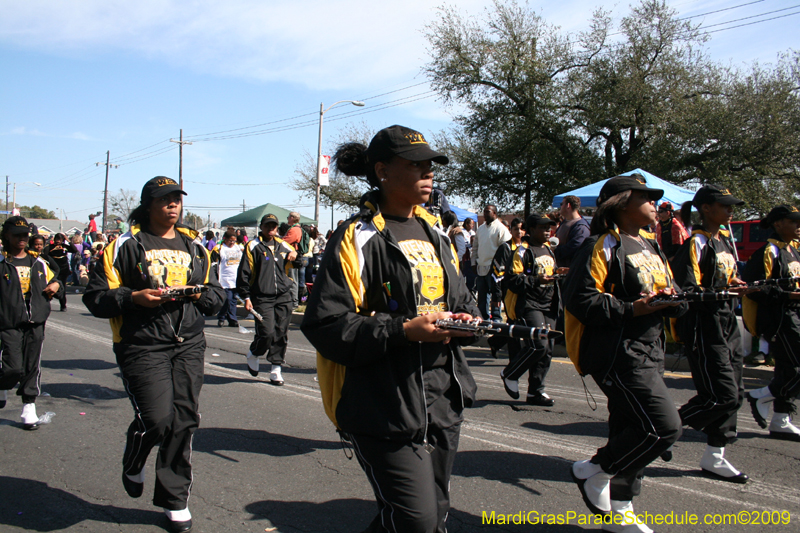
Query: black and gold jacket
point(123, 270)
point(606, 276)
point(763, 310)
point(13, 310)
point(370, 376)
point(263, 269)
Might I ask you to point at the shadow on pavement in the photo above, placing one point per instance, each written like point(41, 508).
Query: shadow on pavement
point(82, 391)
point(591, 429)
point(79, 364)
point(35, 506)
point(217, 440)
point(352, 515)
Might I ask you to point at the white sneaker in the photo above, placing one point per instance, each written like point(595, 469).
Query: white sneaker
point(594, 484)
point(511, 386)
point(275, 376)
point(252, 363)
point(3, 398)
point(624, 519)
point(29, 417)
point(759, 400)
point(781, 427)
point(716, 466)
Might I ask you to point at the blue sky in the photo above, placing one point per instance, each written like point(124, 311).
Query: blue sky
point(85, 76)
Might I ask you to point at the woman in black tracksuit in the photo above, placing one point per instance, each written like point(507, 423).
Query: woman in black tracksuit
point(59, 251)
point(266, 287)
point(158, 342)
point(27, 283)
point(392, 382)
point(709, 330)
point(774, 312)
point(614, 331)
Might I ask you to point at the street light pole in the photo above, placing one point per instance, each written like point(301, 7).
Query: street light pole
point(322, 112)
point(14, 197)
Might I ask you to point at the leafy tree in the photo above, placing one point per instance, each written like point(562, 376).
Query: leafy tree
point(343, 191)
point(515, 141)
point(36, 212)
point(544, 112)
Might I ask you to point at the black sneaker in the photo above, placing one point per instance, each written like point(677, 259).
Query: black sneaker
point(220, 323)
point(541, 399)
point(233, 324)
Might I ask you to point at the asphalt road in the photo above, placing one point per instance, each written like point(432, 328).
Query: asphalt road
point(267, 459)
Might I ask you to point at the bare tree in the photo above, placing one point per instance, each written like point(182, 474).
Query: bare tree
point(124, 203)
point(343, 191)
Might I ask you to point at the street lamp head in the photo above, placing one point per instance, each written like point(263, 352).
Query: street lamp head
point(359, 103)
point(36, 183)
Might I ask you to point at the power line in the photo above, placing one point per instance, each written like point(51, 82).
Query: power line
point(720, 10)
point(755, 22)
point(750, 17)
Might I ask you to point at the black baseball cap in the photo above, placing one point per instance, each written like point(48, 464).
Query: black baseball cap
point(619, 184)
point(158, 187)
point(269, 217)
point(404, 142)
point(16, 225)
point(536, 219)
point(666, 206)
point(779, 213)
point(709, 194)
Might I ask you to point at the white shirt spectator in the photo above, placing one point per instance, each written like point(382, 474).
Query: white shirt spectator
point(488, 238)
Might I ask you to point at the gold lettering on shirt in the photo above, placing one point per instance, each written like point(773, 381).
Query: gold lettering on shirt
point(428, 275)
point(168, 268)
point(794, 269)
point(652, 272)
point(24, 273)
point(545, 265)
point(726, 264)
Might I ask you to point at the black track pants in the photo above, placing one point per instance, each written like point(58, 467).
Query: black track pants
point(642, 419)
point(534, 357)
point(785, 385)
point(272, 333)
point(412, 486)
point(716, 360)
point(163, 383)
point(22, 360)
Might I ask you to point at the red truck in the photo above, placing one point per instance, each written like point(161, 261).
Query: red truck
point(749, 237)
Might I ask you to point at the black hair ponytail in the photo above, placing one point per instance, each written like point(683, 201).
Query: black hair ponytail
point(605, 217)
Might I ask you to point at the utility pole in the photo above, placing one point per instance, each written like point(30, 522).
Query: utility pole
point(243, 207)
point(180, 142)
point(105, 190)
point(6, 195)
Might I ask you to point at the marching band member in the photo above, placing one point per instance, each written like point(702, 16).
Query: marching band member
point(391, 380)
point(615, 333)
point(774, 312)
point(25, 293)
point(158, 342)
point(535, 300)
point(709, 330)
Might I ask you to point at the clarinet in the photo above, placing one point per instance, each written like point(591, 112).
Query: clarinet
point(780, 282)
point(716, 296)
point(483, 328)
point(185, 292)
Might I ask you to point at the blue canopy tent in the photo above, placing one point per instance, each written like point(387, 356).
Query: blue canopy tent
point(463, 214)
point(588, 194)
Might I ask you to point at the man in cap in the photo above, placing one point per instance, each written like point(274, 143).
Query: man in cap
point(263, 283)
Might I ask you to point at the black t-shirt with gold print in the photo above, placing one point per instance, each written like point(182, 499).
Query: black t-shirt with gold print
point(428, 274)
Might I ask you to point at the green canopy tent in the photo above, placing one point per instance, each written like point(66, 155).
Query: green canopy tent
point(252, 217)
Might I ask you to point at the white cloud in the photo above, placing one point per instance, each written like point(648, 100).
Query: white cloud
point(324, 44)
